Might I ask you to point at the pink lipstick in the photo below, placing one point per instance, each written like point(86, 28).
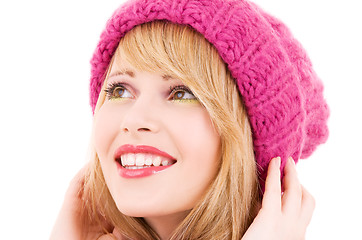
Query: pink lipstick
point(141, 161)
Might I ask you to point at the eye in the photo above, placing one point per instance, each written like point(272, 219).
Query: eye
point(117, 91)
point(181, 93)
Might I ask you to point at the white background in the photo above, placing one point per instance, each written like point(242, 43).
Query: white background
point(45, 123)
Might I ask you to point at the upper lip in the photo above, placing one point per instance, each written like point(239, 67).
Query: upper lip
point(128, 148)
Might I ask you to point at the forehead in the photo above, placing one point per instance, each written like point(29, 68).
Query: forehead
point(121, 67)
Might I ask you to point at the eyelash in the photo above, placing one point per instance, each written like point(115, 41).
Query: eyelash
point(111, 87)
point(177, 88)
point(173, 90)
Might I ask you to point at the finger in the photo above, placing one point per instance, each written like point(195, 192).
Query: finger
point(117, 233)
point(108, 236)
point(77, 182)
point(292, 197)
point(307, 208)
point(73, 195)
point(272, 194)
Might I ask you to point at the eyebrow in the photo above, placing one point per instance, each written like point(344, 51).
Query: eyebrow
point(131, 74)
point(122, 72)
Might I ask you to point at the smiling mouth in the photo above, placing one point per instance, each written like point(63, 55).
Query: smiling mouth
point(143, 160)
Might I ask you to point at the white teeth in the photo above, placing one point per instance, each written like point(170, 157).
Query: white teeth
point(148, 161)
point(135, 167)
point(129, 159)
point(138, 160)
point(123, 160)
point(157, 161)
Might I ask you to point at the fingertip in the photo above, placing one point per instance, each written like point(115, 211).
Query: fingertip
point(278, 162)
point(275, 163)
point(116, 232)
point(272, 194)
point(290, 172)
point(290, 166)
point(108, 236)
point(273, 168)
point(291, 160)
point(292, 188)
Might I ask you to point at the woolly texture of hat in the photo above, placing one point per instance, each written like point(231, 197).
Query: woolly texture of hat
point(282, 93)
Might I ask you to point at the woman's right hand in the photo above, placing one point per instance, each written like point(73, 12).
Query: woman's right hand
point(282, 216)
point(69, 224)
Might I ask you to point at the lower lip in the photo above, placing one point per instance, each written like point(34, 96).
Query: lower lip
point(139, 173)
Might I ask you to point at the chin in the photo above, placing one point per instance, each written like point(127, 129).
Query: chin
point(142, 211)
point(134, 208)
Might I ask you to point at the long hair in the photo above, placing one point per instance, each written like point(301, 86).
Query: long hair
point(230, 204)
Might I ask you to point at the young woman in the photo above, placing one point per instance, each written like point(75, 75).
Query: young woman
point(196, 104)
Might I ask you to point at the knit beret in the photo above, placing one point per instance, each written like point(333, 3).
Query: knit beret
point(282, 93)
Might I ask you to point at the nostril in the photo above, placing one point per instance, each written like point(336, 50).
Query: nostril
point(144, 129)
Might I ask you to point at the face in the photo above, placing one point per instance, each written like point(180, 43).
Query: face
point(156, 144)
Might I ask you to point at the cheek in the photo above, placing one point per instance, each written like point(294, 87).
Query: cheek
point(199, 145)
point(105, 130)
point(198, 137)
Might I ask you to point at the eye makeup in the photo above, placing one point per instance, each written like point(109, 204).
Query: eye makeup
point(178, 93)
point(181, 93)
point(117, 90)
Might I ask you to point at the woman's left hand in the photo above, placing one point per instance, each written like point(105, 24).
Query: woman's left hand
point(282, 216)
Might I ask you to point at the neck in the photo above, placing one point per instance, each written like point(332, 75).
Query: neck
point(165, 225)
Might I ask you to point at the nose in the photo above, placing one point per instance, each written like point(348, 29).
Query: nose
point(140, 117)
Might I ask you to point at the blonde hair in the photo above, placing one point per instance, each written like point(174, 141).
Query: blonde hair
point(232, 200)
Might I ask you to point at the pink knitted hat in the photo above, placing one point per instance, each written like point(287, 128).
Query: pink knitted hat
point(281, 91)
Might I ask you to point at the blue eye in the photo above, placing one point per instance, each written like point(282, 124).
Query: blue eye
point(116, 91)
point(181, 93)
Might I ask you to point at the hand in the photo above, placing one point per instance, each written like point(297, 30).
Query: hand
point(69, 224)
point(115, 235)
point(282, 216)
